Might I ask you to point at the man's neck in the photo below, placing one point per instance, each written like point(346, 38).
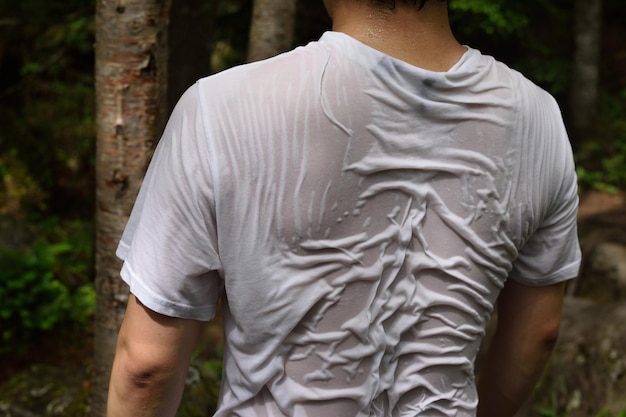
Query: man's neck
point(421, 38)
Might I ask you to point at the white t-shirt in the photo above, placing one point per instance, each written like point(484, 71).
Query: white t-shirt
point(359, 215)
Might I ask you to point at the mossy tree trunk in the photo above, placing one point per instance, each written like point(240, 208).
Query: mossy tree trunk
point(131, 74)
point(271, 29)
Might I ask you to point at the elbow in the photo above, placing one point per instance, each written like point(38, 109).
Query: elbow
point(135, 376)
point(133, 390)
point(548, 334)
point(548, 342)
point(142, 379)
point(140, 385)
point(551, 339)
point(141, 375)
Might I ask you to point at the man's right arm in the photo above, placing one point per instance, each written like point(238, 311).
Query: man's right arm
point(151, 362)
point(527, 330)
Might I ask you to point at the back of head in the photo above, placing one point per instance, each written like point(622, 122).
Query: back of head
point(387, 4)
point(393, 3)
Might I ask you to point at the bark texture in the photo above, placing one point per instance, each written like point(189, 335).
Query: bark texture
point(586, 75)
point(131, 74)
point(272, 28)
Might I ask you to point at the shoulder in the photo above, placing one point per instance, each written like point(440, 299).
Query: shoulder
point(526, 90)
point(536, 113)
point(277, 70)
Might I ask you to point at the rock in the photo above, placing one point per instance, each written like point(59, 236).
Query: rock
point(610, 259)
point(45, 391)
point(603, 274)
point(587, 373)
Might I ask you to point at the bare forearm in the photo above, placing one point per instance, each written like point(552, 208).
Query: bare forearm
point(151, 363)
point(510, 374)
point(527, 330)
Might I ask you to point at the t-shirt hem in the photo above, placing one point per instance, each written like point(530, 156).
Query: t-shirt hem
point(567, 272)
point(162, 306)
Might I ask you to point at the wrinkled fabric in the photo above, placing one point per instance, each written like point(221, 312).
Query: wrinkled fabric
point(359, 216)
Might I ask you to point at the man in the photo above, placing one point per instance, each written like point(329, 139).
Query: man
point(359, 204)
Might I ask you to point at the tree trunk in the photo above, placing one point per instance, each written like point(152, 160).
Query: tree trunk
point(272, 28)
point(131, 73)
point(586, 74)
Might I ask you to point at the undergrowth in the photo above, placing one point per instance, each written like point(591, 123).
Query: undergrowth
point(46, 285)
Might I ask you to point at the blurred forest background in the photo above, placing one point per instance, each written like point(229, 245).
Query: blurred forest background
point(47, 133)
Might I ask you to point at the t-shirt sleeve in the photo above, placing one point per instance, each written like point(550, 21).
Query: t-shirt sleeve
point(169, 246)
point(551, 254)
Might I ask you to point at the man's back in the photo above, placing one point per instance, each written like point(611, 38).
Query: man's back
point(359, 207)
point(364, 214)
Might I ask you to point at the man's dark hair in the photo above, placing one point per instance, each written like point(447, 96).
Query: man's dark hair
point(419, 3)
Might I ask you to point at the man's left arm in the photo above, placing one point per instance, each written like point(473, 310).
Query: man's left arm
point(151, 361)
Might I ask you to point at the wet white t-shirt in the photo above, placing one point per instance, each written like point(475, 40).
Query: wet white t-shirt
point(359, 216)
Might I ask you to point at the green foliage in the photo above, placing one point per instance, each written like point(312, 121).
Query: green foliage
point(19, 191)
point(546, 69)
point(602, 160)
point(230, 37)
point(46, 96)
point(606, 413)
point(201, 388)
point(545, 48)
point(493, 17)
point(46, 285)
